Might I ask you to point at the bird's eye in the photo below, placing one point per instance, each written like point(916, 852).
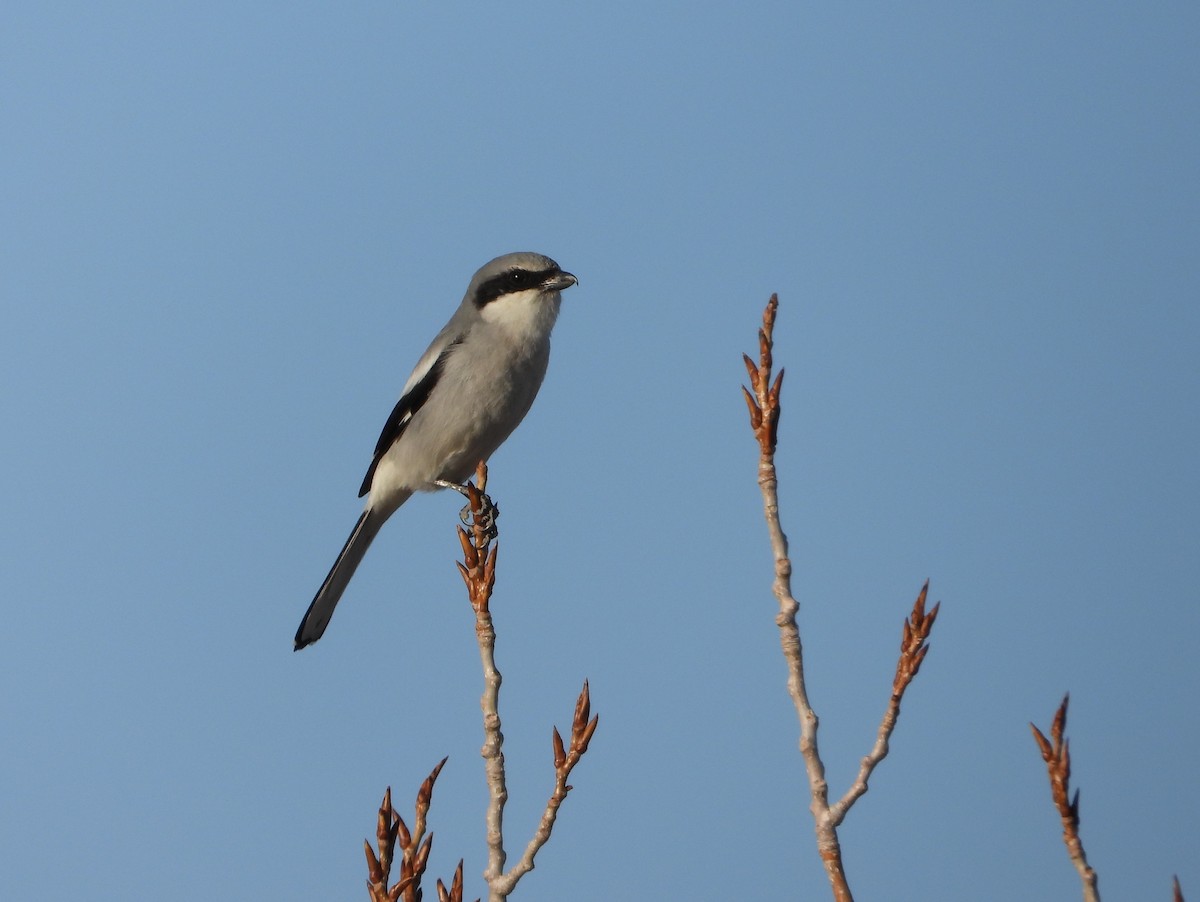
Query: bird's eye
point(520, 278)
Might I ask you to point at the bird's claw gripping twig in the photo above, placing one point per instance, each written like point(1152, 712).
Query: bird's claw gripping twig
point(489, 511)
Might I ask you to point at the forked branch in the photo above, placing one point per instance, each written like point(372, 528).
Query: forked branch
point(478, 570)
point(763, 404)
point(913, 648)
point(583, 725)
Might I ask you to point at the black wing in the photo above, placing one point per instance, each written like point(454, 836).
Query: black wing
point(412, 401)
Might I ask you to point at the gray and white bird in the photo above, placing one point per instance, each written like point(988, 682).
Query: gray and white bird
point(466, 395)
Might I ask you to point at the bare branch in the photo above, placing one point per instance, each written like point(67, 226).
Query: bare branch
point(478, 570)
point(763, 404)
point(1056, 753)
point(912, 652)
point(565, 760)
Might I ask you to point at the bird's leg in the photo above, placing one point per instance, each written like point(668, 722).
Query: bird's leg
point(488, 510)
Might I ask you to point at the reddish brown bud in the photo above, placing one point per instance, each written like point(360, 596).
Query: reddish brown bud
point(752, 407)
point(752, 371)
point(586, 736)
point(560, 754)
point(373, 869)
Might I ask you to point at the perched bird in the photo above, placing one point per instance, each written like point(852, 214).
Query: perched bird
point(468, 392)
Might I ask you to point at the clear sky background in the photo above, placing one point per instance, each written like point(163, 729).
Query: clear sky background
point(230, 229)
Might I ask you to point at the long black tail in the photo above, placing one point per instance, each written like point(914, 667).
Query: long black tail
point(316, 618)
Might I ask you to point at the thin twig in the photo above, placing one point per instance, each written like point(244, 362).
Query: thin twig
point(1056, 752)
point(583, 725)
point(762, 403)
point(479, 573)
point(913, 648)
point(763, 406)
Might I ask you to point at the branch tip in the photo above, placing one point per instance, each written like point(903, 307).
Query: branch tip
point(1056, 752)
point(583, 707)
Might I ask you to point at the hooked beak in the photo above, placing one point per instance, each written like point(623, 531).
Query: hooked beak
point(560, 281)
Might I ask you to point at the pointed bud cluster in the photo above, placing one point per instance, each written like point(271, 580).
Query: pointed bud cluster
point(478, 569)
point(913, 646)
point(453, 893)
point(762, 402)
point(1056, 752)
point(583, 727)
point(415, 846)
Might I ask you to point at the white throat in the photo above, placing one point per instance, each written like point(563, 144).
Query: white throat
point(524, 314)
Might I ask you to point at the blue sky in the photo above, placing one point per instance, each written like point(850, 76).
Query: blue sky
point(229, 230)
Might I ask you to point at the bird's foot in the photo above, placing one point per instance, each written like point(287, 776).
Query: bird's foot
point(486, 518)
point(488, 512)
